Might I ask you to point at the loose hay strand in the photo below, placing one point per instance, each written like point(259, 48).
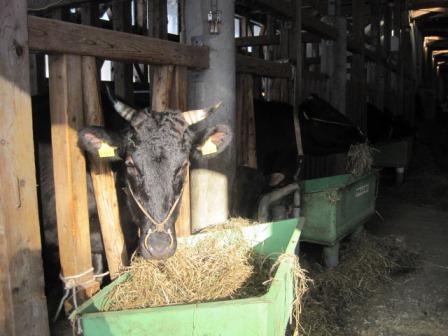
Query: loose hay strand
point(365, 264)
point(222, 266)
point(359, 159)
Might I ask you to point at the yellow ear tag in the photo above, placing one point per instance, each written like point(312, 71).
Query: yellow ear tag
point(106, 150)
point(208, 147)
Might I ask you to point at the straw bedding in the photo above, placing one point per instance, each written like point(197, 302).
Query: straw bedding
point(365, 266)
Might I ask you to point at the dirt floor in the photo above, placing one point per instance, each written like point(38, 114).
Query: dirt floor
point(415, 304)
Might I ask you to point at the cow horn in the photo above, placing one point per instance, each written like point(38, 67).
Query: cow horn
point(195, 116)
point(130, 114)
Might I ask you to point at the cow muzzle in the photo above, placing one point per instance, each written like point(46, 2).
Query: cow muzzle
point(157, 245)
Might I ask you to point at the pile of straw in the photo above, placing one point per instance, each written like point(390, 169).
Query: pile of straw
point(359, 159)
point(365, 266)
point(221, 266)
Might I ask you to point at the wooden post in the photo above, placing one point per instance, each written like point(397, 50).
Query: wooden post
point(387, 39)
point(334, 63)
point(23, 308)
point(378, 79)
point(357, 110)
point(298, 78)
point(123, 73)
point(103, 177)
point(245, 122)
point(70, 171)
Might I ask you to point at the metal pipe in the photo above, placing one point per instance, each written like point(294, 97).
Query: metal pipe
point(273, 196)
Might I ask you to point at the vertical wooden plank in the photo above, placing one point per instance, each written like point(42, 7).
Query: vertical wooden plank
point(386, 46)
point(245, 122)
point(334, 63)
point(298, 77)
point(23, 309)
point(358, 71)
point(102, 176)
point(123, 73)
point(69, 168)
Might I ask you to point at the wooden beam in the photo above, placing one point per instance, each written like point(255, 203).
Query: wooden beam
point(310, 38)
point(309, 23)
point(102, 176)
point(421, 4)
point(43, 5)
point(257, 40)
point(319, 28)
point(53, 36)
point(70, 171)
point(23, 307)
point(260, 67)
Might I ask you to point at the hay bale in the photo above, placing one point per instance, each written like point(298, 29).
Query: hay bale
point(359, 159)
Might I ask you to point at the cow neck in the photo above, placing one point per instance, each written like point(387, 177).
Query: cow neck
point(160, 226)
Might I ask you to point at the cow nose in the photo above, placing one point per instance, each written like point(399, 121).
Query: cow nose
point(158, 245)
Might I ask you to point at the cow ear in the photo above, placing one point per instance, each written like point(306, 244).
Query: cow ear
point(213, 142)
point(100, 143)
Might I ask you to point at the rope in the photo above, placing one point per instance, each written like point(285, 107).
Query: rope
point(70, 285)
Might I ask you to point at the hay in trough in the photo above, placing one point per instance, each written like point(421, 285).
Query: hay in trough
point(359, 159)
point(220, 267)
point(365, 265)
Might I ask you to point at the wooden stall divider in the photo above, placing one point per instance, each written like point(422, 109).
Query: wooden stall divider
point(23, 308)
point(70, 173)
point(245, 122)
point(102, 176)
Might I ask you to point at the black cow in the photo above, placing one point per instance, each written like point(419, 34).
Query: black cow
point(383, 126)
point(324, 131)
point(154, 151)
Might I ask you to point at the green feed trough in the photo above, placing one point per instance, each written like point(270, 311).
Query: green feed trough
point(265, 315)
point(335, 207)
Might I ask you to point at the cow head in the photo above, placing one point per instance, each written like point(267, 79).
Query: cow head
point(156, 151)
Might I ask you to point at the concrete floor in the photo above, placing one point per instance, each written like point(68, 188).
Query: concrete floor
point(415, 304)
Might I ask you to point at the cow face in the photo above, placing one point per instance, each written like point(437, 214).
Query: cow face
point(155, 152)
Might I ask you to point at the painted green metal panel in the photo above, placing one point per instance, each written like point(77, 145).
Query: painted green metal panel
point(266, 315)
point(335, 206)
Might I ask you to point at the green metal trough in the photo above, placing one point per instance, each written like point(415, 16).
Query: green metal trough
point(395, 154)
point(335, 207)
point(265, 315)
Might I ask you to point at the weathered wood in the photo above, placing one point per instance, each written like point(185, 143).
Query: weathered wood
point(55, 36)
point(357, 97)
point(260, 67)
point(245, 122)
point(103, 177)
point(310, 38)
point(23, 308)
point(421, 4)
point(309, 24)
point(170, 92)
point(319, 28)
point(257, 40)
point(122, 72)
point(70, 170)
point(298, 78)
point(334, 63)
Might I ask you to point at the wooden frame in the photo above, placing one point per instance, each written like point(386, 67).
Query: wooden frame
point(55, 36)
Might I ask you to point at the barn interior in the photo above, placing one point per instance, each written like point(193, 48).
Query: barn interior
point(337, 110)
